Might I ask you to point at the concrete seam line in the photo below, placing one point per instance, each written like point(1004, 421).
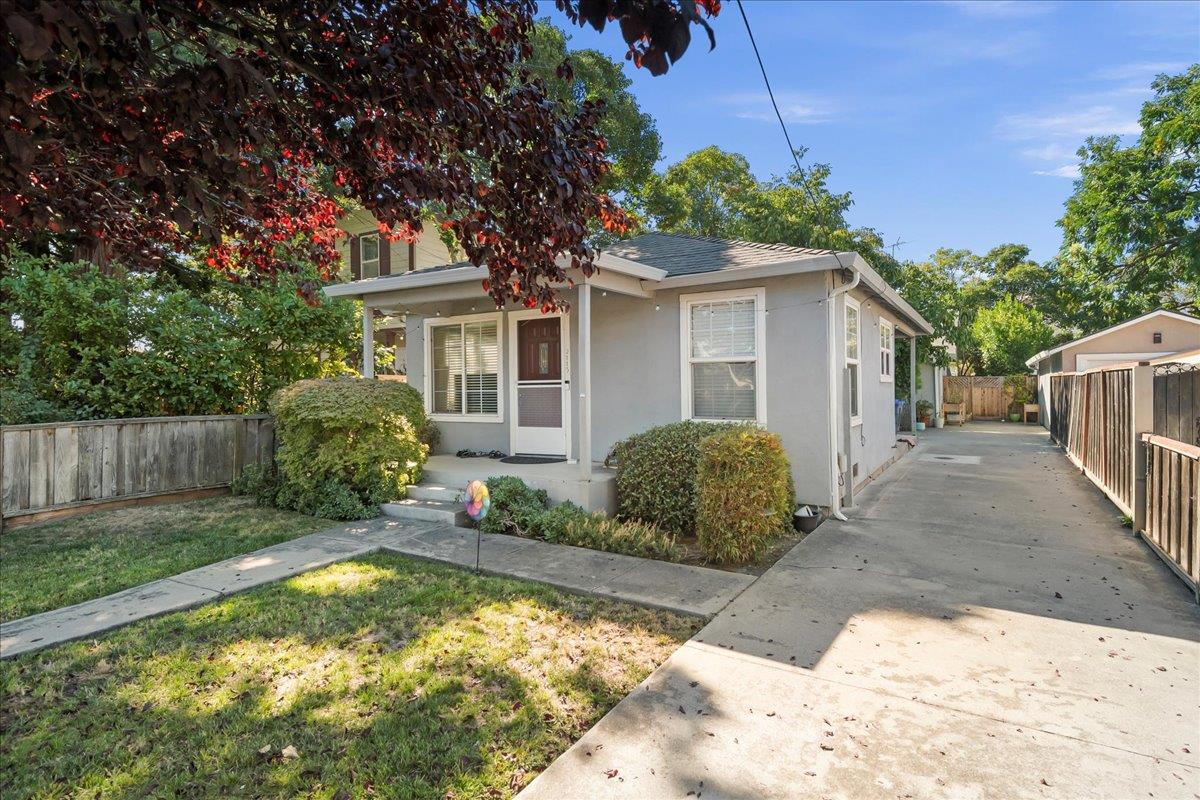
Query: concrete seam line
point(803, 673)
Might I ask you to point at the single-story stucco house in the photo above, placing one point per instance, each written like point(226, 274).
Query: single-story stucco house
point(1150, 336)
point(668, 328)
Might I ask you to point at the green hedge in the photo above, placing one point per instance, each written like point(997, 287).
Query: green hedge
point(656, 474)
point(745, 496)
point(346, 445)
point(520, 510)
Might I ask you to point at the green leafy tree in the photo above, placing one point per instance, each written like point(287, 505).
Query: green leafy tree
point(79, 342)
point(1131, 231)
point(1008, 333)
point(633, 143)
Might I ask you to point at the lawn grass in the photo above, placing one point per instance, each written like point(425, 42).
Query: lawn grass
point(52, 565)
point(382, 676)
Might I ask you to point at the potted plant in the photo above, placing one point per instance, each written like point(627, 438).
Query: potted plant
point(1017, 389)
point(924, 411)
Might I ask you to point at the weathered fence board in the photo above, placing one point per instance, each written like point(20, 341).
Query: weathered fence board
point(67, 464)
point(1173, 513)
point(1177, 402)
point(1093, 422)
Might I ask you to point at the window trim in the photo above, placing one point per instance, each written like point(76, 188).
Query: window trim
point(428, 325)
point(362, 262)
point(759, 295)
point(855, 419)
point(890, 375)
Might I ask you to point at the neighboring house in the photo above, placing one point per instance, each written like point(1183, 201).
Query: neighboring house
point(1152, 335)
point(668, 327)
point(366, 254)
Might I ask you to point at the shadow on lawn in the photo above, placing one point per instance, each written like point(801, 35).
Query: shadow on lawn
point(385, 675)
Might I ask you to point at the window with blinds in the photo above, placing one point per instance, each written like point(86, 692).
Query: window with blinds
point(465, 368)
point(724, 366)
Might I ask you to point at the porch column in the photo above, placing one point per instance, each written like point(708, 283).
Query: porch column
point(912, 383)
point(368, 343)
point(585, 380)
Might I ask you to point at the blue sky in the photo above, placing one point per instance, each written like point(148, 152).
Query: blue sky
point(954, 124)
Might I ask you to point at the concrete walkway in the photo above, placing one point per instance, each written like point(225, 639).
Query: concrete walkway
point(675, 587)
point(982, 627)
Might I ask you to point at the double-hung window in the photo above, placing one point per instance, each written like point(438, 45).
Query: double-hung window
point(463, 355)
point(887, 351)
point(723, 343)
point(368, 255)
point(853, 367)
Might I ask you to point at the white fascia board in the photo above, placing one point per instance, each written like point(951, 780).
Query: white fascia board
point(913, 321)
point(407, 280)
point(1162, 312)
point(442, 277)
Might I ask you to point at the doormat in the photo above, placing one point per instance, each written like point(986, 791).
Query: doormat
point(532, 460)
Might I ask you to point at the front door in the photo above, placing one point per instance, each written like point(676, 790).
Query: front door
point(542, 387)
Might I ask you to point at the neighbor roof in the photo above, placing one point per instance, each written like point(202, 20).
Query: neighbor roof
point(679, 254)
point(1148, 315)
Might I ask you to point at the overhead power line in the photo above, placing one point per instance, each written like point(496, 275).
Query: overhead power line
point(783, 126)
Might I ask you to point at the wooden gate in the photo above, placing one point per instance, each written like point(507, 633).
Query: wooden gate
point(983, 395)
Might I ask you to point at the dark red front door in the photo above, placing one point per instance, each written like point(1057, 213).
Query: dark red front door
point(539, 353)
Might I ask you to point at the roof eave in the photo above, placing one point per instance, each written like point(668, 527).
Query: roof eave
point(422, 279)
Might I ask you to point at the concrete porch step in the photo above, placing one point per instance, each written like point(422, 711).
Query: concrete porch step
point(427, 510)
point(433, 491)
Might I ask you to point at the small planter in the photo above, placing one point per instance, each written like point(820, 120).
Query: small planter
point(1014, 417)
point(920, 425)
point(806, 519)
point(939, 421)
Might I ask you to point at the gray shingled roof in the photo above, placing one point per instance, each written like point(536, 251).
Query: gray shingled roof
point(687, 255)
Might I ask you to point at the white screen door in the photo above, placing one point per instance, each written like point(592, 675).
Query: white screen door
point(542, 387)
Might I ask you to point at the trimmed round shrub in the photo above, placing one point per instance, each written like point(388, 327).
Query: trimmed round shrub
point(345, 445)
point(656, 474)
point(745, 497)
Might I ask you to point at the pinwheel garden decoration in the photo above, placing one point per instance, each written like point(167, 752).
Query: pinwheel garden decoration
point(476, 500)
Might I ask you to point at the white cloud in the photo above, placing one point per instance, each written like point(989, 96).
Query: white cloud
point(1002, 9)
point(1142, 71)
point(1053, 151)
point(1097, 120)
point(1065, 171)
point(795, 108)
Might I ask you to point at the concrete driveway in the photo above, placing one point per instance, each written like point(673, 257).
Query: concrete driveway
point(982, 627)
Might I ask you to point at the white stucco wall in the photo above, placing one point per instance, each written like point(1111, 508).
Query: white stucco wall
point(636, 376)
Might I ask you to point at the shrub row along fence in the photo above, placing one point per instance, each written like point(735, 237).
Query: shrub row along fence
point(51, 468)
point(1105, 420)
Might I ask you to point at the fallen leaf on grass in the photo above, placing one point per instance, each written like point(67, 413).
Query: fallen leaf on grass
point(289, 752)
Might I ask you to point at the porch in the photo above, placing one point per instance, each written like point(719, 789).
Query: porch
point(562, 480)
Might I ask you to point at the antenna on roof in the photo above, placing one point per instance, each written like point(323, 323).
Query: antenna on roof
point(894, 245)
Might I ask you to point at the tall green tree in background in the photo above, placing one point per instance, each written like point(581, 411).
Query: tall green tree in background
point(1131, 231)
point(1008, 333)
point(633, 143)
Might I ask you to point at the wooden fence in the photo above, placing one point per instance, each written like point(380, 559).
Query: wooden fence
point(984, 396)
point(1172, 518)
point(1093, 421)
point(54, 467)
point(1177, 402)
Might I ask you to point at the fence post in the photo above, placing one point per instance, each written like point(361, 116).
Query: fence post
point(1141, 420)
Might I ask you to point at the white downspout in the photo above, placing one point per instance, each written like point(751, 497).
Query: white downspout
point(835, 421)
